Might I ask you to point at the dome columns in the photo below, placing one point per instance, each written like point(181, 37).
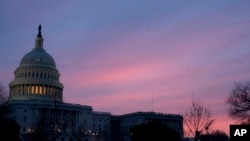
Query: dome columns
point(30, 90)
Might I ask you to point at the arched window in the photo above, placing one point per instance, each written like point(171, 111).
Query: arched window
point(40, 89)
point(32, 89)
point(44, 89)
point(37, 91)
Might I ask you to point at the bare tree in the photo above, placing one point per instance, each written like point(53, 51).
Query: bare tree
point(216, 135)
point(3, 94)
point(7, 127)
point(3, 98)
point(239, 102)
point(197, 119)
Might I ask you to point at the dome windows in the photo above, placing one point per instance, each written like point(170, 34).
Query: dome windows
point(36, 90)
point(34, 74)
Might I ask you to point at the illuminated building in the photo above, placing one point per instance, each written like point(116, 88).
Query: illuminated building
point(36, 101)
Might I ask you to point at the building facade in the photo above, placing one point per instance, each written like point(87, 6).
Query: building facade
point(36, 101)
point(121, 124)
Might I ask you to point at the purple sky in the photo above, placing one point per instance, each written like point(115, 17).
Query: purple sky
point(114, 55)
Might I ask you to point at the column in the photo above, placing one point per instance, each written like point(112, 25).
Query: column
point(44, 89)
point(21, 89)
point(14, 90)
point(26, 89)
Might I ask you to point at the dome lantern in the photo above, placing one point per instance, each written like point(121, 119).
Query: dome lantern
point(39, 38)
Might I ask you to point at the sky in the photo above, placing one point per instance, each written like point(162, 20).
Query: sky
point(128, 56)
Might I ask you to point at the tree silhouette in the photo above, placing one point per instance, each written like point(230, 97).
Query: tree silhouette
point(239, 102)
point(3, 94)
point(4, 109)
point(197, 119)
point(215, 136)
point(153, 131)
point(9, 129)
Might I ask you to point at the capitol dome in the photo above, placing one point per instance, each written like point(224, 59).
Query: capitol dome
point(38, 56)
point(36, 77)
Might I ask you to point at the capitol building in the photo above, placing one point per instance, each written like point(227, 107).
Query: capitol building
point(36, 102)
